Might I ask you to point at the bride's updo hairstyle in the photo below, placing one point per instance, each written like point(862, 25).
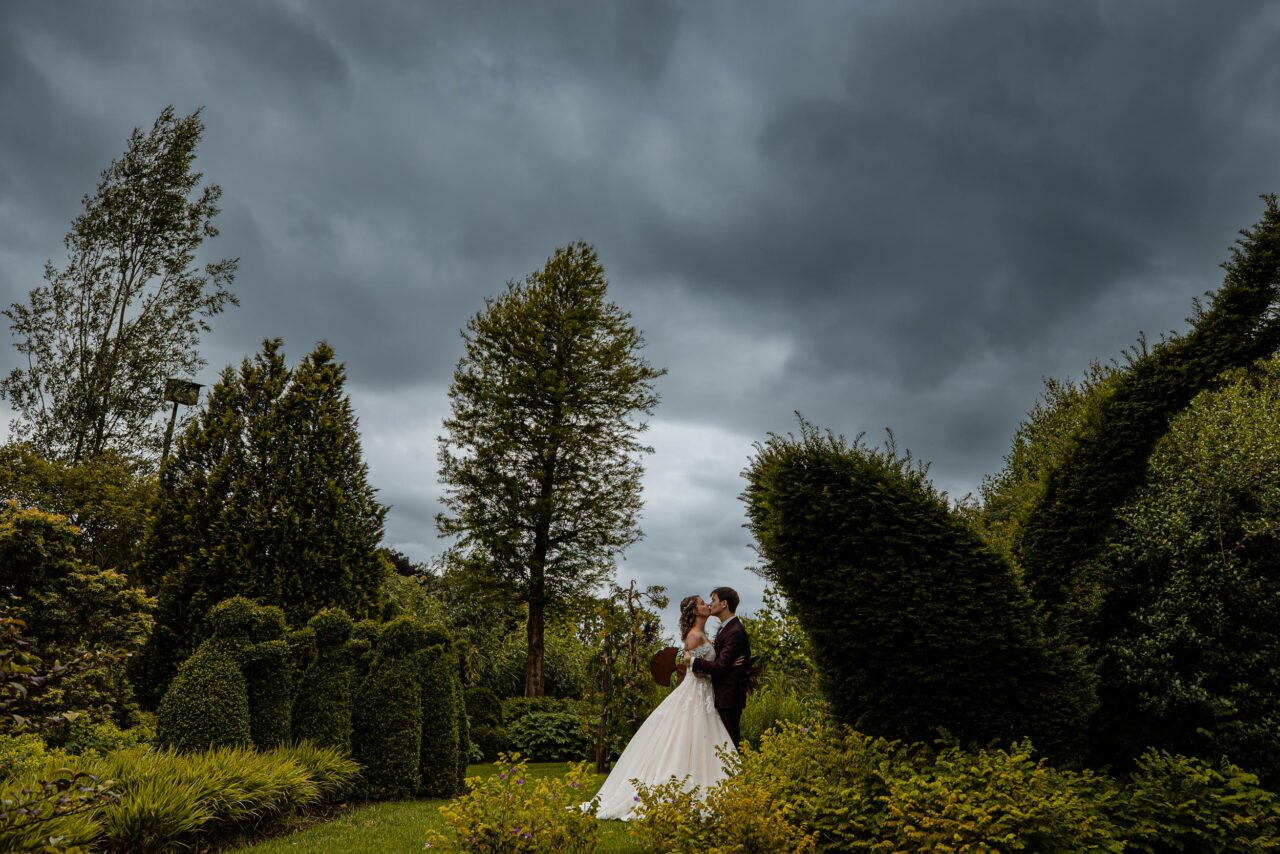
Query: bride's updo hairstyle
point(688, 614)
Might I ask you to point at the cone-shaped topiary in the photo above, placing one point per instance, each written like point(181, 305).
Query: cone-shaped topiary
point(441, 711)
point(322, 712)
point(207, 704)
point(918, 623)
point(387, 718)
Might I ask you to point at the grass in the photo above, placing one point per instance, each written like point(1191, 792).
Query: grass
point(401, 825)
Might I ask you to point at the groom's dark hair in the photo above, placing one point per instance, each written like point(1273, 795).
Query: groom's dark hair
point(727, 594)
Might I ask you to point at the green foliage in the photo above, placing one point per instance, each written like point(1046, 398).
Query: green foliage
point(322, 710)
point(266, 496)
point(442, 710)
point(733, 816)
point(332, 770)
point(86, 736)
point(483, 707)
point(1178, 804)
point(22, 753)
point(126, 312)
point(920, 624)
point(551, 736)
point(407, 596)
point(388, 713)
point(1107, 460)
point(490, 741)
point(503, 668)
point(994, 800)
point(268, 674)
point(107, 498)
point(53, 813)
point(780, 649)
point(540, 454)
point(512, 812)
point(207, 705)
point(69, 607)
point(1192, 664)
point(775, 702)
point(626, 630)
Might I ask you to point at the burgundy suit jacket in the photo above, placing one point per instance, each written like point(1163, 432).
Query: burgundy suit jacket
point(728, 683)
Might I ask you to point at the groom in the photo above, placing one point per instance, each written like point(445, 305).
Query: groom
point(729, 678)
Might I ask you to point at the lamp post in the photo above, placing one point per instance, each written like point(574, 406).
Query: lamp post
point(179, 391)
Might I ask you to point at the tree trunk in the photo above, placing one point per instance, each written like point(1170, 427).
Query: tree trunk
point(533, 683)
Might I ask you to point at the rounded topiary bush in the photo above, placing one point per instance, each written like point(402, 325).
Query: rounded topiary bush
point(322, 710)
point(207, 704)
point(442, 714)
point(387, 716)
point(919, 623)
point(551, 736)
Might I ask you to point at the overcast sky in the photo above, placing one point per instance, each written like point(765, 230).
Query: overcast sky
point(881, 214)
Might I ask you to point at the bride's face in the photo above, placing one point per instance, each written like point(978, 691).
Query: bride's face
point(703, 609)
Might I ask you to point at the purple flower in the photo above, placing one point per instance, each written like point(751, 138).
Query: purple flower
point(635, 797)
point(528, 836)
point(574, 784)
point(520, 782)
point(502, 776)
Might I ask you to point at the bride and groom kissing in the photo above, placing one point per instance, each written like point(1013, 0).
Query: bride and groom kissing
point(687, 734)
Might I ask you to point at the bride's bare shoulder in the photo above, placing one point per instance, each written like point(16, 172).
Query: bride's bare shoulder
point(694, 639)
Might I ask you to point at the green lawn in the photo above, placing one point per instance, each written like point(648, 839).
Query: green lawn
point(402, 825)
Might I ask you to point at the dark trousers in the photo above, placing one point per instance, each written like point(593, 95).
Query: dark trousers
point(733, 722)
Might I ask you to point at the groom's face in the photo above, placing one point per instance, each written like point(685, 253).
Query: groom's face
point(717, 607)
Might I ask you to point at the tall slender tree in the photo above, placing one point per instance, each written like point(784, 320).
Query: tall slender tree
point(541, 455)
point(126, 312)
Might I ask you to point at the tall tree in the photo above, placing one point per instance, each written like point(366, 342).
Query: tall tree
point(126, 311)
point(541, 456)
point(266, 496)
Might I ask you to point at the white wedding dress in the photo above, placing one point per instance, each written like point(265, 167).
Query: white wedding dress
point(679, 737)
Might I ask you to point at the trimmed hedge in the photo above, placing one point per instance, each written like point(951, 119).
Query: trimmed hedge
point(920, 624)
point(483, 707)
point(442, 720)
point(207, 704)
point(387, 718)
point(323, 708)
point(268, 673)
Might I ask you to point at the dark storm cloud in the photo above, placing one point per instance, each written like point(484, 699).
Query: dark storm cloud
point(879, 214)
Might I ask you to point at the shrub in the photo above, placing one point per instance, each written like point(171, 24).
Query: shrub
point(85, 736)
point(509, 812)
point(52, 810)
point(490, 741)
point(441, 713)
point(322, 710)
point(23, 753)
point(1174, 803)
point(771, 705)
point(207, 705)
point(996, 800)
point(550, 736)
point(733, 816)
point(831, 778)
point(503, 671)
point(483, 707)
point(463, 756)
point(268, 676)
point(514, 708)
point(387, 716)
point(919, 623)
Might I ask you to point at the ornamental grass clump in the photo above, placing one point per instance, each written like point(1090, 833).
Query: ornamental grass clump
point(509, 812)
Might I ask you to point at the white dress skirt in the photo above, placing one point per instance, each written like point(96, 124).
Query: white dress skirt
point(679, 737)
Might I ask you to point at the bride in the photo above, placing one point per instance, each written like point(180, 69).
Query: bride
point(679, 737)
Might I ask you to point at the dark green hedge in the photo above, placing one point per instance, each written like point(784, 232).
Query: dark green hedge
point(1108, 463)
point(918, 624)
point(268, 673)
point(442, 718)
point(323, 708)
point(387, 717)
point(483, 707)
point(207, 704)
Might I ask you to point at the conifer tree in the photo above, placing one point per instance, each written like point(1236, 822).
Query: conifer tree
point(266, 496)
point(540, 455)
